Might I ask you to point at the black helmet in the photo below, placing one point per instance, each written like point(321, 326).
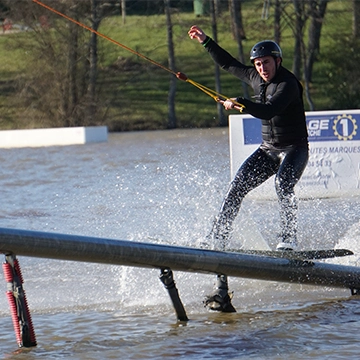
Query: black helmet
point(265, 48)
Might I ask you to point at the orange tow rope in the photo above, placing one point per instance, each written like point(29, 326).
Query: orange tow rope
point(181, 76)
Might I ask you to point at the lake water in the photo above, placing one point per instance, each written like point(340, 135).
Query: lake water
point(165, 187)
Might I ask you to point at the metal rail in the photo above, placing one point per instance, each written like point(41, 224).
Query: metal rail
point(146, 255)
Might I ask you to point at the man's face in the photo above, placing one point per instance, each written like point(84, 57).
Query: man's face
point(266, 66)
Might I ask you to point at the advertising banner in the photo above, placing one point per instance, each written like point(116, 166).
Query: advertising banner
point(334, 163)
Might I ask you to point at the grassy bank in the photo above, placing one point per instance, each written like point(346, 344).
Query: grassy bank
point(133, 92)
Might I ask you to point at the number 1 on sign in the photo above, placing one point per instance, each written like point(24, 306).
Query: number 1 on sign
point(345, 127)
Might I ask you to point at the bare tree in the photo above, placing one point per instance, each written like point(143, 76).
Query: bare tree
point(70, 88)
point(171, 60)
point(277, 19)
point(317, 14)
point(123, 11)
point(64, 56)
point(237, 25)
point(356, 19)
point(217, 8)
point(220, 108)
point(299, 7)
point(304, 57)
point(239, 34)
point(99, 10)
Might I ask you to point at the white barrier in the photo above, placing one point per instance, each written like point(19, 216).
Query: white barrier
point(52, 137)
point(334, 163)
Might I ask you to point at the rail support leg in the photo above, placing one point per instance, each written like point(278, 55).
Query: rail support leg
point(167, 279)
point(220, 300)
point(20, 312)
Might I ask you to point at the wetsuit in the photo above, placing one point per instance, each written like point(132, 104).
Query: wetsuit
point(284, 149)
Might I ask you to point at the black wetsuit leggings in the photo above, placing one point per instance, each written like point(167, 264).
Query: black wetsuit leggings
point(288, 166)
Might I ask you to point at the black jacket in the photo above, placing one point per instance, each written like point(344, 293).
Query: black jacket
point(280, 107)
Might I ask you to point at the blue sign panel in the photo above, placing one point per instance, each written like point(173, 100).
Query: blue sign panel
point(252, 131)
point(333, 127)
point(327, 127)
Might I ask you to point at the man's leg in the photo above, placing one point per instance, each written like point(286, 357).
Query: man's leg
point(288, 221)
point(253, 172)
point(287, 177)
point(256, 169)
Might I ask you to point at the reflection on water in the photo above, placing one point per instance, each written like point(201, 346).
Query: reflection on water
point(164, 187)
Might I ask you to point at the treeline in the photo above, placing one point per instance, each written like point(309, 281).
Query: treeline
point(137, 7)
point(69, 83)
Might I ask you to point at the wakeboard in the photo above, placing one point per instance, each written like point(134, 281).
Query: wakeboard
point(298, 255)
